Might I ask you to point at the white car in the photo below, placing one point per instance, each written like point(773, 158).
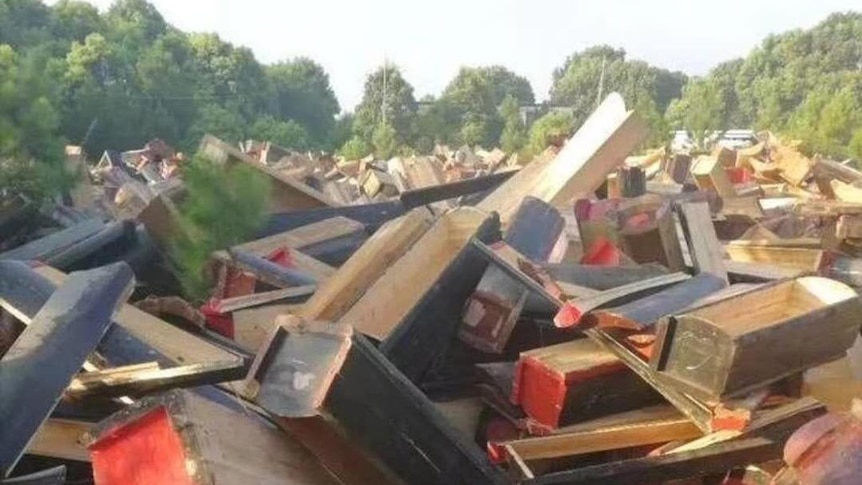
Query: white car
point(736, 139)
point(681, 142)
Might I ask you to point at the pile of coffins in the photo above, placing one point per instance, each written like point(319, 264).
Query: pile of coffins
point(588, 318)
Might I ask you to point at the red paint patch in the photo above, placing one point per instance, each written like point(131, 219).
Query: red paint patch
point(568, 316)
point(602, 253)
point(147, 451)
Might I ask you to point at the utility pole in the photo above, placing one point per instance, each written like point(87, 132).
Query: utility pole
point(383, 105)
point(601, 84)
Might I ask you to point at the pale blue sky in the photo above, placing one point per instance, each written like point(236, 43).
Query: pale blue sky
point(430, 40)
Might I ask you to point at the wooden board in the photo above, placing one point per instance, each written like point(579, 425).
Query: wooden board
point(308, 235)
point(598, 147)
point(334, 297)
point(50, 351)
point(389, 300)
point(61, 438)
point(748, 341)
point(252, 326)
point(287, 295)
point(176, 345)
point(703, 245)
point(180, 437)
point(645, 432)
point(799, 259)
point(287, 193)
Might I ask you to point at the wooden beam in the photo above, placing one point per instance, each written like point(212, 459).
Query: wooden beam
point(305, 236)
point(848, 227)
point(748, 341)
point(846, 192)
point(599, 146)
point(51, 350)
point(340, 292)
point(286, 295)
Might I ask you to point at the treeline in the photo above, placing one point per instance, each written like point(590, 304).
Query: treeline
point(70, 74)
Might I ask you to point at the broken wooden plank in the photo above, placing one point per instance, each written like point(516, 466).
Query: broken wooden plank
point(703, 245)
point(272, 273)
point(41, 362)
point(51, 476)
point(492, 311)
point(286, 295)
point(372, 215)
point(759, 337)
point(598, 147)
point(576, 381)
point(340, 292)
point(602, 277)
point(180, 437)
point(140, 382)
point(715, 459)
point(292, 373)
point(645, 432)
point(428, 195)
point(162, 341)
point(305, 236)
point(644, 312)
point(573, 310)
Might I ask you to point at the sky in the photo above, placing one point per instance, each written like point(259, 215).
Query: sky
point(431, 40)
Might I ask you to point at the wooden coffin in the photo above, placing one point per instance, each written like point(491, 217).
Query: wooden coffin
point(181, 438)
point(740, 343)
point(576, 381)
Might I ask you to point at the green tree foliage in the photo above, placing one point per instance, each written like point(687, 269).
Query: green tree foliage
point(223, 208)
point(354, 149)
point(30, 150)
point(805, 83)
point(400, 106)
point(514, 135)
point(576, 82)
point(288, 134)
point(699, 110)
point(549, 129)
point(385, 141)
point(301, 92)
point(471, 103)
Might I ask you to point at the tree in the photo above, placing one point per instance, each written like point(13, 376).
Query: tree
point(30, 149)
point(301, 92)
point(399, 106)
point(288, 134)
point(552, 128)
point(472, 101)
point(354, 149)
point(514, 136)
point(576, 82)
point(385, 141)
point(223, 208)
point(699, 110)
